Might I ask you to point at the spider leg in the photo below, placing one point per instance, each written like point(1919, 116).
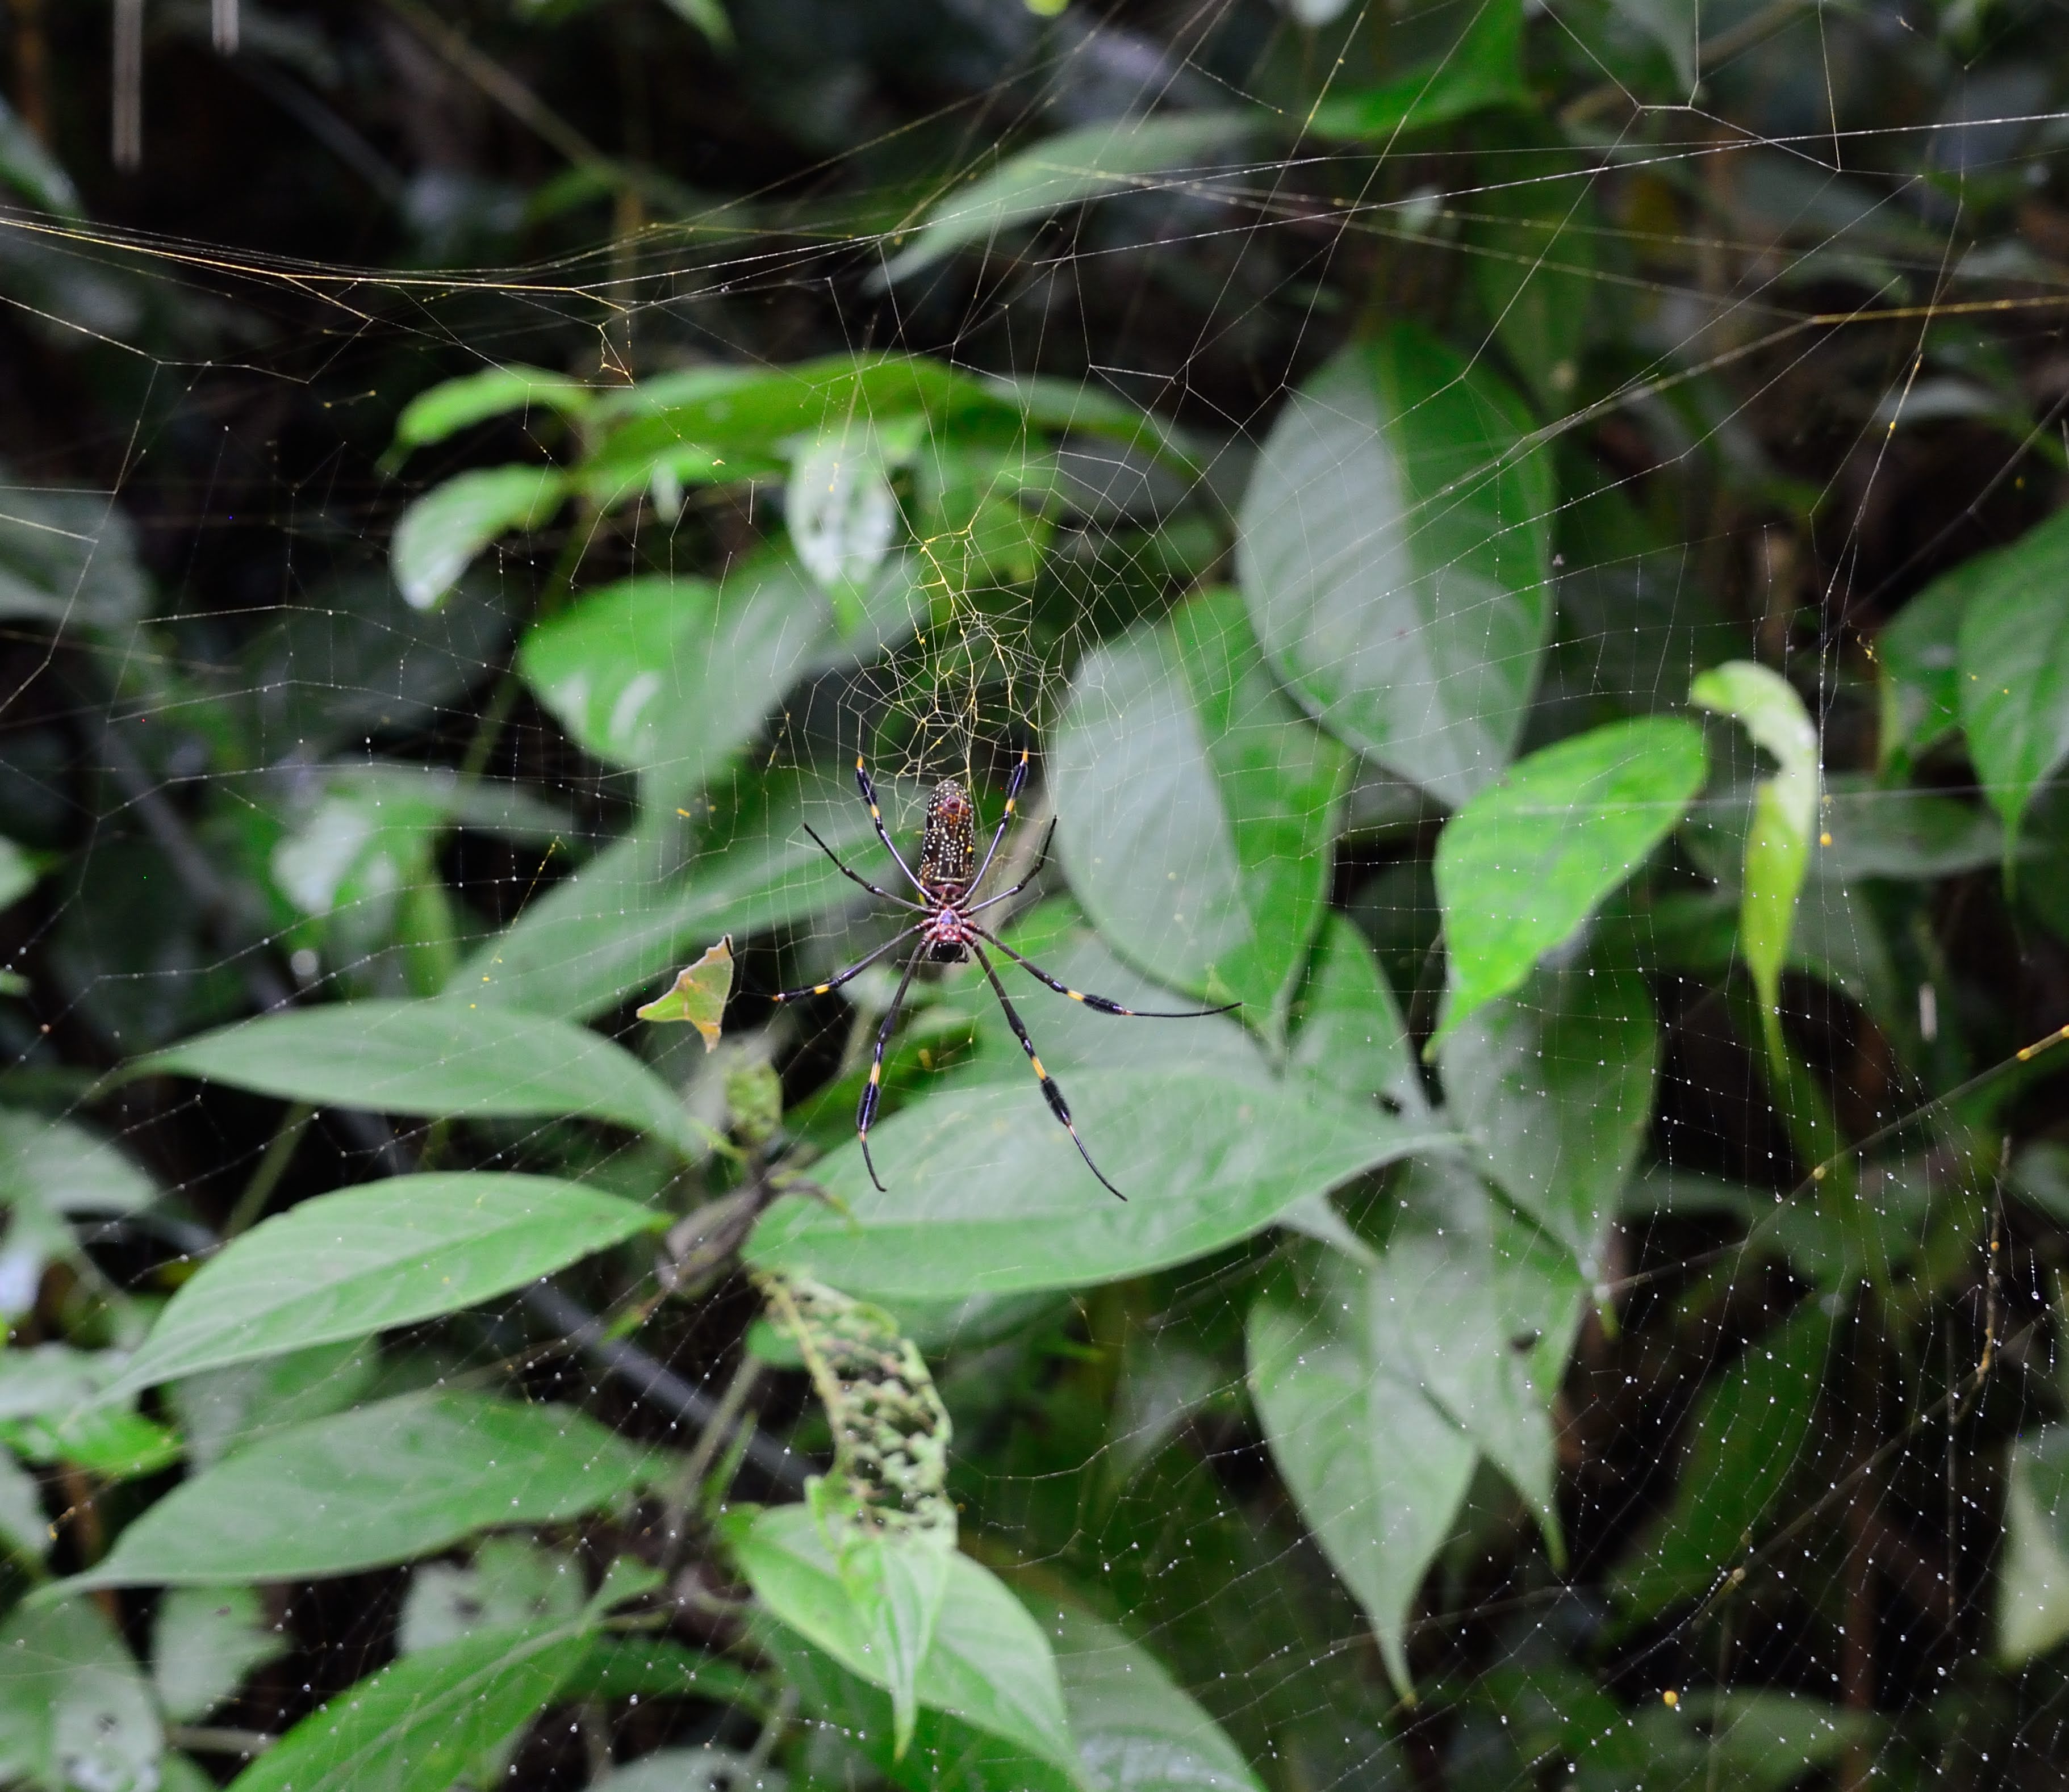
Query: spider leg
point(883, 833)
point(872, 1091)
point(852, 972)
point(1041, 859)
point(856, 877)
point(1057, 1105)
point(1099, 1002)
point(1005, 821)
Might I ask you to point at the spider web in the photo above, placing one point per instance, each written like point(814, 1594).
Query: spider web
point(249, 776)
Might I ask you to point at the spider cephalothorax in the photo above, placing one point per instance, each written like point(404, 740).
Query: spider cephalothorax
point(949, 933)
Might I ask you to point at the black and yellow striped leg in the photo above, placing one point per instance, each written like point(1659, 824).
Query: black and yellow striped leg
point(1041, 859)
point(1005, 821)
point(1057, 1105)
point(869, 795)
point(872, 1091)
point(849, 975)
point(856, 877)
point(1100, 1003)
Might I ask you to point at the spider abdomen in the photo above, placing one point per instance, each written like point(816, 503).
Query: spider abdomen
point(947, 849)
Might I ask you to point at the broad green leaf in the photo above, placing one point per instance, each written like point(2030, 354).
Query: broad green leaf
point(61, 1167)
point(107, 1441)
point(697, 996)
point(625, 918)
point(985, 1194)
point(25, 1532)
point(427, 1721)
point(2013, 660)
point(988, 1663)
point(2032, 1597)
point(1743, 1443)
point(1917, 656)
point(1350, 1037)
point(52, 1377)
point(1524, 863)
point(68, 560)
point(1531, 230)
point(441, 534)
point(1138, 1730)
point(1378, 1470)
point(1485, 1306)
point(445, 1059)
point(511, 1582)
point(1777, 848)
point(456, 404)
point(380, 1485)
point(841, 515)
point(1196, 808)
point(1554, 1087)
point(31, 170)
point(18, 877)
point(1131, 154)
point(368, 1259)
point(224, 1409)
point(1395, 552)
point(75, 1715)
point(1912, 834)
point(204, 1641)
point(1483, 68)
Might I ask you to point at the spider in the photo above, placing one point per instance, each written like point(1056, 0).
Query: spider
point(949, 933)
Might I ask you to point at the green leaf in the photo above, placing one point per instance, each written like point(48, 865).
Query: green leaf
point(624, 917)
point(25, 1532)
point(17, 875)
point(1912, 834)
point(697, 996)
point(842, 513)
point(368, 1259)
point(1350, 1037)
point(31, 170)
point(1523, 864)
point(1483, 68)
point(109, 1442)
point(1778, 850)
point(1196, 810)
point(1378, 1471)
point(2033, 1598)
point(1918, 656)
point(1138, 1730)
point(988, 1663)
point(1531, 229)
point(2014, 671)
point(457, 404)
point(1554, 1087)
point(74, 1713)
point(1131, 154)
point(427, 1721)
point(381, 1484)
point(445, 1059)
point(986, 1195)
point(224, 1409)
point(68, 560)
point(204, 1641)
point(1742, 1445)
point(59, 1166)
point(511, 1582)
point(1396, 554)
point(441, 534)
point(708, 16)
point(707, 1768)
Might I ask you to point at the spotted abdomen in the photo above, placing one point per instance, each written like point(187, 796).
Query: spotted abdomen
point(947, 849)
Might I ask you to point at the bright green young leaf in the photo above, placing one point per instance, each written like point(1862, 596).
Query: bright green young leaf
point(1777, 848)
point(1484, 1306)
point(1138, 1730)
point(1378, 1471)
point(985, 1194)
point(625, 918)
point(1396, 556)
point(1483, 69)
point(2033, 1577)
point(376, 1485)
point(366, 1259)
point(1060, 171)
point(445, 410)
point(1554, 1087)
point(204, 1642)
point(1349, 1036)
point(427, 1721)
point(1523, 864)
point(988, 1664)
point(439, 535)
point(1743, 1443)
point(107, 1441)
point(444, 1058)
point(75, 1715)
point(2013, 663)
point(697, 996)
point(1196, 808)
